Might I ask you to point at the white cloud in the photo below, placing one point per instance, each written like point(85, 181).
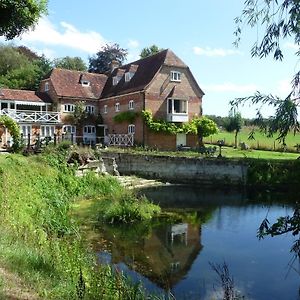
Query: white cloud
point(292, 46)
point(231, 87)
point(66, 35)
point(215, 52)
point(284, 87)
point(133, 44)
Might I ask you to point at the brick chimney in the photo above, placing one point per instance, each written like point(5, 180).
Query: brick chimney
point(114, 65)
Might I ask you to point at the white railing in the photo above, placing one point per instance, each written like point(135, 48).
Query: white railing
point(120, 139)
point(30, 116)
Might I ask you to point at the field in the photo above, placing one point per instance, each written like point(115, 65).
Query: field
point(261, 140)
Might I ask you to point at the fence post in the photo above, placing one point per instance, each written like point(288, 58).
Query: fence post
point(55, 139)
point(28, 141)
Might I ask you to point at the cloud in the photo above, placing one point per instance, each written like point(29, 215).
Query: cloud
point(133, 44)
point(291, 46)
point(65, 35)
point(231, 87)
point(215, 52)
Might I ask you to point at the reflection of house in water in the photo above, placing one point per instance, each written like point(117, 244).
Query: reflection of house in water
point(164, 257)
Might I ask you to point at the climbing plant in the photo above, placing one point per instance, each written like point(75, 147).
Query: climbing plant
point(128, 116)
point(14, 130)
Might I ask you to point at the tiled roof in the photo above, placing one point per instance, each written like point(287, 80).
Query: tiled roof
point(22, 95)
point(67, 83)
point(145, 69)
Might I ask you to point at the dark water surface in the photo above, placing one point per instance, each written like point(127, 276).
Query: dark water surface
point(211, 227)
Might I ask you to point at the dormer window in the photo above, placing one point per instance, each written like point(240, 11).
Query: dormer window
point(175, 76)
point(116, 80)
point(85, 83)
point(128, 76)
point(46, 86)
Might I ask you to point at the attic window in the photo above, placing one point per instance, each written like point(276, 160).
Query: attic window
point(116, 79)
point(46, 86)
point(175, 76)
point(85, 83)
point(128, 76)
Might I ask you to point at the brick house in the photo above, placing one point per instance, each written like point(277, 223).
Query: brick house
point(161, 83)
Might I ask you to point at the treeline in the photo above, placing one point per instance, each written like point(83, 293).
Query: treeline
point(223, 121)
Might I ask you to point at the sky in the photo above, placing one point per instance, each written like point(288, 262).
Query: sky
point(200, 32)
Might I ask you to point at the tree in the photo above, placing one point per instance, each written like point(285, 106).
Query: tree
point(148, 51)
point(100, 63)
point(234, 124)
point(17, 16)
point(281, 19)
point(205, 127)
point(70, 63)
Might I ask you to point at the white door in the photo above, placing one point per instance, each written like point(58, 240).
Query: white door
point(69, 131)
point(180, 139)
point(89, 134)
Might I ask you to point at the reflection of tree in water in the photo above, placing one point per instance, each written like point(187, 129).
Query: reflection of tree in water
point(162, 251)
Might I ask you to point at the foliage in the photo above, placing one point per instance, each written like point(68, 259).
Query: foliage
point(204, 127)
point(129, 116)
point(18, 16)
point(281, 20)
point(100, 63)
point(234, 123)
point(21, 69)
point(14, 130)
point(70, 63)
point(148, 51)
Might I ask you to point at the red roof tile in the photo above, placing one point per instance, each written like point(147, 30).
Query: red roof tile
point(67, 83)
point(22, 95)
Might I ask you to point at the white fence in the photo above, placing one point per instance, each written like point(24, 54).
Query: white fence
point(126, 140)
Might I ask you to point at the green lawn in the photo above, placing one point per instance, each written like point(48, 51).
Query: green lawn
point(261, 140)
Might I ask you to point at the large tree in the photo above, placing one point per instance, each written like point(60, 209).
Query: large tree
point(279, 20)
point(17, 16)
point(148, 51)
point(70, 63)
point(100, 63)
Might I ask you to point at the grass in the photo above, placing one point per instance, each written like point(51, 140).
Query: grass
point(261, 140)
point(40, 240)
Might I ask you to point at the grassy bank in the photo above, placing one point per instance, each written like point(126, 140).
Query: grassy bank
point(40, 241)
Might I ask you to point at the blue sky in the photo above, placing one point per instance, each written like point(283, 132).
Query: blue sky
point(199, 32)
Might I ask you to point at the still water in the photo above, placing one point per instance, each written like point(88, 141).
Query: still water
point(211, 227)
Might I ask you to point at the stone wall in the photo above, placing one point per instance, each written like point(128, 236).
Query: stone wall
point(202, 171)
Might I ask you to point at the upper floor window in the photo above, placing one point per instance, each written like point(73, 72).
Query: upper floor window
point(131, 104)
point(90, 109)
point(131, 129)
point(85, 83)
point(175, 76)
point(116, 80)
point(177, 106)
point(105, 109)
point(117, 106)
point(128, 76)
point(89, 129)
point(69, 107)
point(46, 86)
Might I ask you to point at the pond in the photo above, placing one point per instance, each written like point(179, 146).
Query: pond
point(210, 227)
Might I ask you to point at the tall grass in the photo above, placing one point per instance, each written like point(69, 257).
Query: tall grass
point(40, 240)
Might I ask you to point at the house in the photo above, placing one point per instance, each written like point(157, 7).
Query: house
point(161, 83)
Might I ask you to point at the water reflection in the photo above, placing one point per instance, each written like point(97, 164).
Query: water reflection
point(210, 226)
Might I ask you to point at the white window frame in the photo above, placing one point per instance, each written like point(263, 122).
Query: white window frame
point(25, 129)
point(131, 129)
point(69, 129)
point(116, 80)
point(105, 109)
point(47, 130)
point(128, 76)
point(68, 107)
point(46, 88)
point(89, 129)
point(117, 107)
point(90, 109)
point(175, 76)
point(131, 105)
point(85, 83)
point(172, 108)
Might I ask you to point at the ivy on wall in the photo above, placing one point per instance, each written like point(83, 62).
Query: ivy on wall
point(129, 116)
point(14, 130)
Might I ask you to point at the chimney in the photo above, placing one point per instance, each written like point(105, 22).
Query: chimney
point(114, 65)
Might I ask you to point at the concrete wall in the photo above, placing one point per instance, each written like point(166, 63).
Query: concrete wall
point(202, 171)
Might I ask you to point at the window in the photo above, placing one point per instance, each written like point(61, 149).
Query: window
point(69, 107)
point(177, 106)
point(117, 106)
point(46, 86)
point(128, 76)
point(89, 129)
point(47, 131)
point(105, 109)
point(116, 80)
point(69, 129)
point(131, 104)
point(131, 129)
point(175, 76)
point(25, 130)
point(85, 83)
point(90, 109)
